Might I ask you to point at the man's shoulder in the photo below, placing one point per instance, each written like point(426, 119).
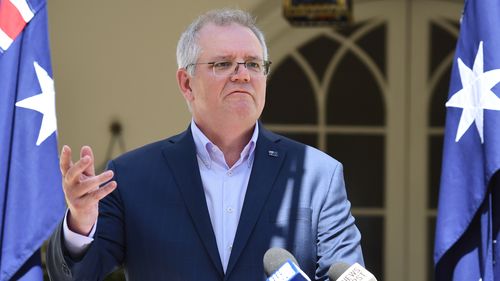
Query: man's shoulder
point(297, 148)
point(149, 151)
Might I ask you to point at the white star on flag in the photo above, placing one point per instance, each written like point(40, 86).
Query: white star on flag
point(476, 94)
point(45, 103)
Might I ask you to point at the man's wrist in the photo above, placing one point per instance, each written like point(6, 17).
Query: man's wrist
point(75, 243)
point(82, 229)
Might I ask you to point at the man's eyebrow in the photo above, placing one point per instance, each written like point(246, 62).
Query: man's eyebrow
point(229, 57)
point(253, 58)
point(219, 58)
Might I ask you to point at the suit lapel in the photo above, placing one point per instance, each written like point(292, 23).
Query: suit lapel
point(180, 155)
point(269, 157)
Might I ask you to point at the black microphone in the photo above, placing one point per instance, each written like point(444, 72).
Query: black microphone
point(280, 265)
point(343, 272)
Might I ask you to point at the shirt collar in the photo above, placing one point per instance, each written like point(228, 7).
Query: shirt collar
point(204, 145)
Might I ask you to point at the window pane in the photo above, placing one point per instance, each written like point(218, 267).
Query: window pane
point(431, 227)
point(372, 242)
point(434, 166)
point(350, 29)
point(363, 158)
point(354, 103)
point(438, 100)
point(374, 43)
point(290, 97)
point(442, 44)
point(318, 52)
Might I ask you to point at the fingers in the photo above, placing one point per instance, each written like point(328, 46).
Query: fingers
point(87, 151)
point(90, 199)
point(81, 187)
point(84, 210)
point(73, 174)
point(65, 161)
point(90, 184)
point(79, 178)
point(103, 191)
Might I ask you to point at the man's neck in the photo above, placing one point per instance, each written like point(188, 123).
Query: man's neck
point(230, 140)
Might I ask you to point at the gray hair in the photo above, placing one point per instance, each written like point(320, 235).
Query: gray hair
point(188, 49)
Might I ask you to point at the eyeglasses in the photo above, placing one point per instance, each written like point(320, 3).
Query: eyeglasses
point(227, 68)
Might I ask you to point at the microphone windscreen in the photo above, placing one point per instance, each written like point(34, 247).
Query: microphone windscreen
point(276, 257)
point(336, 270)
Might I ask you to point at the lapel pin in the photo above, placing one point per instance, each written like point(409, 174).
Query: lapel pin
point(272, 153)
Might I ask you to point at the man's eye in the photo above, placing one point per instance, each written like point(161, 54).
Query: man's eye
point(222, 64)
point(253, 65)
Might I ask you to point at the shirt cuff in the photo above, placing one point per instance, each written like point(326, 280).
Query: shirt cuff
point(75, 243)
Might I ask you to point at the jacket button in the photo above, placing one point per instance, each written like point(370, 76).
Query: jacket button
point(66, 270)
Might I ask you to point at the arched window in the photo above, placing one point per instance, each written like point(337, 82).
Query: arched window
point(329, 93)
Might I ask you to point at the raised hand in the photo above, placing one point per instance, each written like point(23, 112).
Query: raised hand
point(81, 189)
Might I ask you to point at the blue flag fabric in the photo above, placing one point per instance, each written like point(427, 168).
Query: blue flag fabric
point(31, 198)
point(467, 227)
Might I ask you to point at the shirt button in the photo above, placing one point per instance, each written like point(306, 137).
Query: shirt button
point(229, 173)
point(229, 210)
point(230, 247)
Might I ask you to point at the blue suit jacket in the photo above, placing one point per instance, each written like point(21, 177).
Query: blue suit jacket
point(156, 223)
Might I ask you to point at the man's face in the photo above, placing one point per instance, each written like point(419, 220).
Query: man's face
point(233, 100)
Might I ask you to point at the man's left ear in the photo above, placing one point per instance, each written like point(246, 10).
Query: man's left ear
point(184, 83)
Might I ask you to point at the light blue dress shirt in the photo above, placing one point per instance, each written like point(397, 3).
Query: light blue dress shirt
point(224, 187)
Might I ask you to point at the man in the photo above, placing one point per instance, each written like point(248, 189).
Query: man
point(206, 204)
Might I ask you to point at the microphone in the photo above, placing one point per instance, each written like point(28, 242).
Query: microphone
point(280, 265)
point(343, 272)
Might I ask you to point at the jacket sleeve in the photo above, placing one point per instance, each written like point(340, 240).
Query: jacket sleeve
point(338, 240)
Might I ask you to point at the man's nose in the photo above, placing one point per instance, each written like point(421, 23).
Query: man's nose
point(240, 73)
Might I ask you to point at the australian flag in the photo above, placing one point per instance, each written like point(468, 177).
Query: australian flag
point(31, 199)
point(468, 221)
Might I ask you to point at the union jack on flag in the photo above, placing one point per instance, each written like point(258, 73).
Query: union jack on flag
point(14, 15)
